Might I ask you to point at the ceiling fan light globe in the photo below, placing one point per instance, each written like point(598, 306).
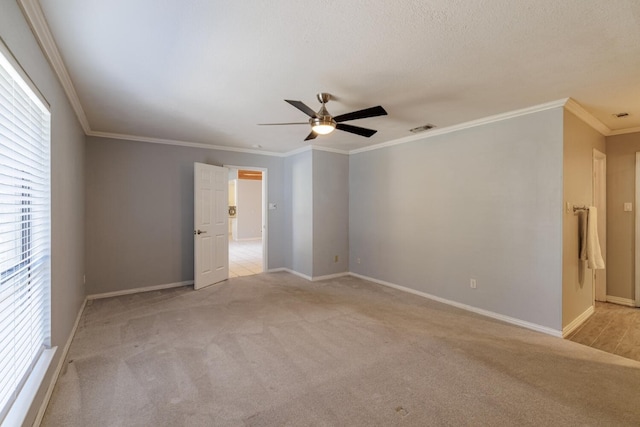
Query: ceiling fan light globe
point(323, 129)
point(322, 126)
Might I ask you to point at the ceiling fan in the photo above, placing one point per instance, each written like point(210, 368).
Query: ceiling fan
point(323, 123)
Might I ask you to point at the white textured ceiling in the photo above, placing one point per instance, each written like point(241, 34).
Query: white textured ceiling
point(207, 71)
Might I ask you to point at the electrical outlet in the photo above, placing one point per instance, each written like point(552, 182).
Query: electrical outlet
point(472, 283)
point(84, 279)
point(335, 259)
point(358, 261)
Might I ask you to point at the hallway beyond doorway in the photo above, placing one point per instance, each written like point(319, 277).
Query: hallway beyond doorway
point(245, 257)
point(612, 328)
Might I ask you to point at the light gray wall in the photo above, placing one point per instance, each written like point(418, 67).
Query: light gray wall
point(579, 141)
point(67, 187)
point(299, 179)
point(483, 203)
point(139, 211)
point(330, 213)
point(621, 228)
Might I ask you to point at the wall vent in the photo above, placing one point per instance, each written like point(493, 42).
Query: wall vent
point(422, 128)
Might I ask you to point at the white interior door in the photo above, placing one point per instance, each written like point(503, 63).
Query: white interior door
point(637, 237)
point(600, 202)
point(211, 246)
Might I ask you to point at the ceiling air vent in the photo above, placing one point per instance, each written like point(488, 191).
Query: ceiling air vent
point(422, 128)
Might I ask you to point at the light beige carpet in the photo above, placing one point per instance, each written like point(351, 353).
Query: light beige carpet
point(276, 350)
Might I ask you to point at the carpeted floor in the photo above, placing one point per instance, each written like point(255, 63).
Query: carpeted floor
point(277, 350)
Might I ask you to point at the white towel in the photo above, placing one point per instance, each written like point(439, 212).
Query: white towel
point(594, 256)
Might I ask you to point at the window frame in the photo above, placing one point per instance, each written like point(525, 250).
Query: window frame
point(30, 216)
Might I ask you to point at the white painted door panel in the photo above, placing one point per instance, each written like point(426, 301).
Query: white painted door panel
point(211, 246)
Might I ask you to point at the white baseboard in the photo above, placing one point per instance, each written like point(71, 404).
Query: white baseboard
point(138, 290)
point(330, 276)
point(577, 322)
point(621, 301)
point(491, 314)
point(295, 273)
point(309, 278)
point(56, 374)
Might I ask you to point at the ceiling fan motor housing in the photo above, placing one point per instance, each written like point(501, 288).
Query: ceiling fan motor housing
point(323, 97)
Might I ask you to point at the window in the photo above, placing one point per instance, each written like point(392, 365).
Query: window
point(24, 230)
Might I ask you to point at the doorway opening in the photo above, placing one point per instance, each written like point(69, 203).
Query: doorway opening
point(247, 220)
point(600, 202)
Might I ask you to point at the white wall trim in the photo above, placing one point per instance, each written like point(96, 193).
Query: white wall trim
point(138, 290)
point(621, 301)
point(295, 273)
point(491, 314)
point(35, 17)
point(636, 279)
point(577, 322)
point(579, 111)
point(466, 125)
point(178, 143)
point(56, 374)
point(568, 103)
point(328, 149)
point(624, 131)
point(309, 278)
point(330, 276)
point(298, 151)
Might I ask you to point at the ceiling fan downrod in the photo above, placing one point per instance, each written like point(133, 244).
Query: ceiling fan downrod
point(323, 123)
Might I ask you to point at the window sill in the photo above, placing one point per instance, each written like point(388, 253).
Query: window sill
point(22, 404)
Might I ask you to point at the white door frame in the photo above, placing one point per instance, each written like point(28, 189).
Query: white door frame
point(599, 188)
point(265, 210)
point(637, 249)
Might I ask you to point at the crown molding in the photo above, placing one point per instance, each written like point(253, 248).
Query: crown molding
point(577, 109)
point(33, 13)
point(119, 136)
point(314, 148)
point(298, 151)
point(624, 131)
point(179, 143)
point(466, 125)
point(329, 149)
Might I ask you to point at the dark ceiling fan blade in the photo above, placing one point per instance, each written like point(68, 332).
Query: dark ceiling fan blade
point(356, 129)
point(281, 124)
point(312, 135)
point(302, 107)
point(361, 114)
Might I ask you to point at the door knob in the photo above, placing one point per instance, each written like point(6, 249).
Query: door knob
point(198, 232)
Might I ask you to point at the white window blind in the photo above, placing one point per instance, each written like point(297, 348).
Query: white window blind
point(24, 231)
